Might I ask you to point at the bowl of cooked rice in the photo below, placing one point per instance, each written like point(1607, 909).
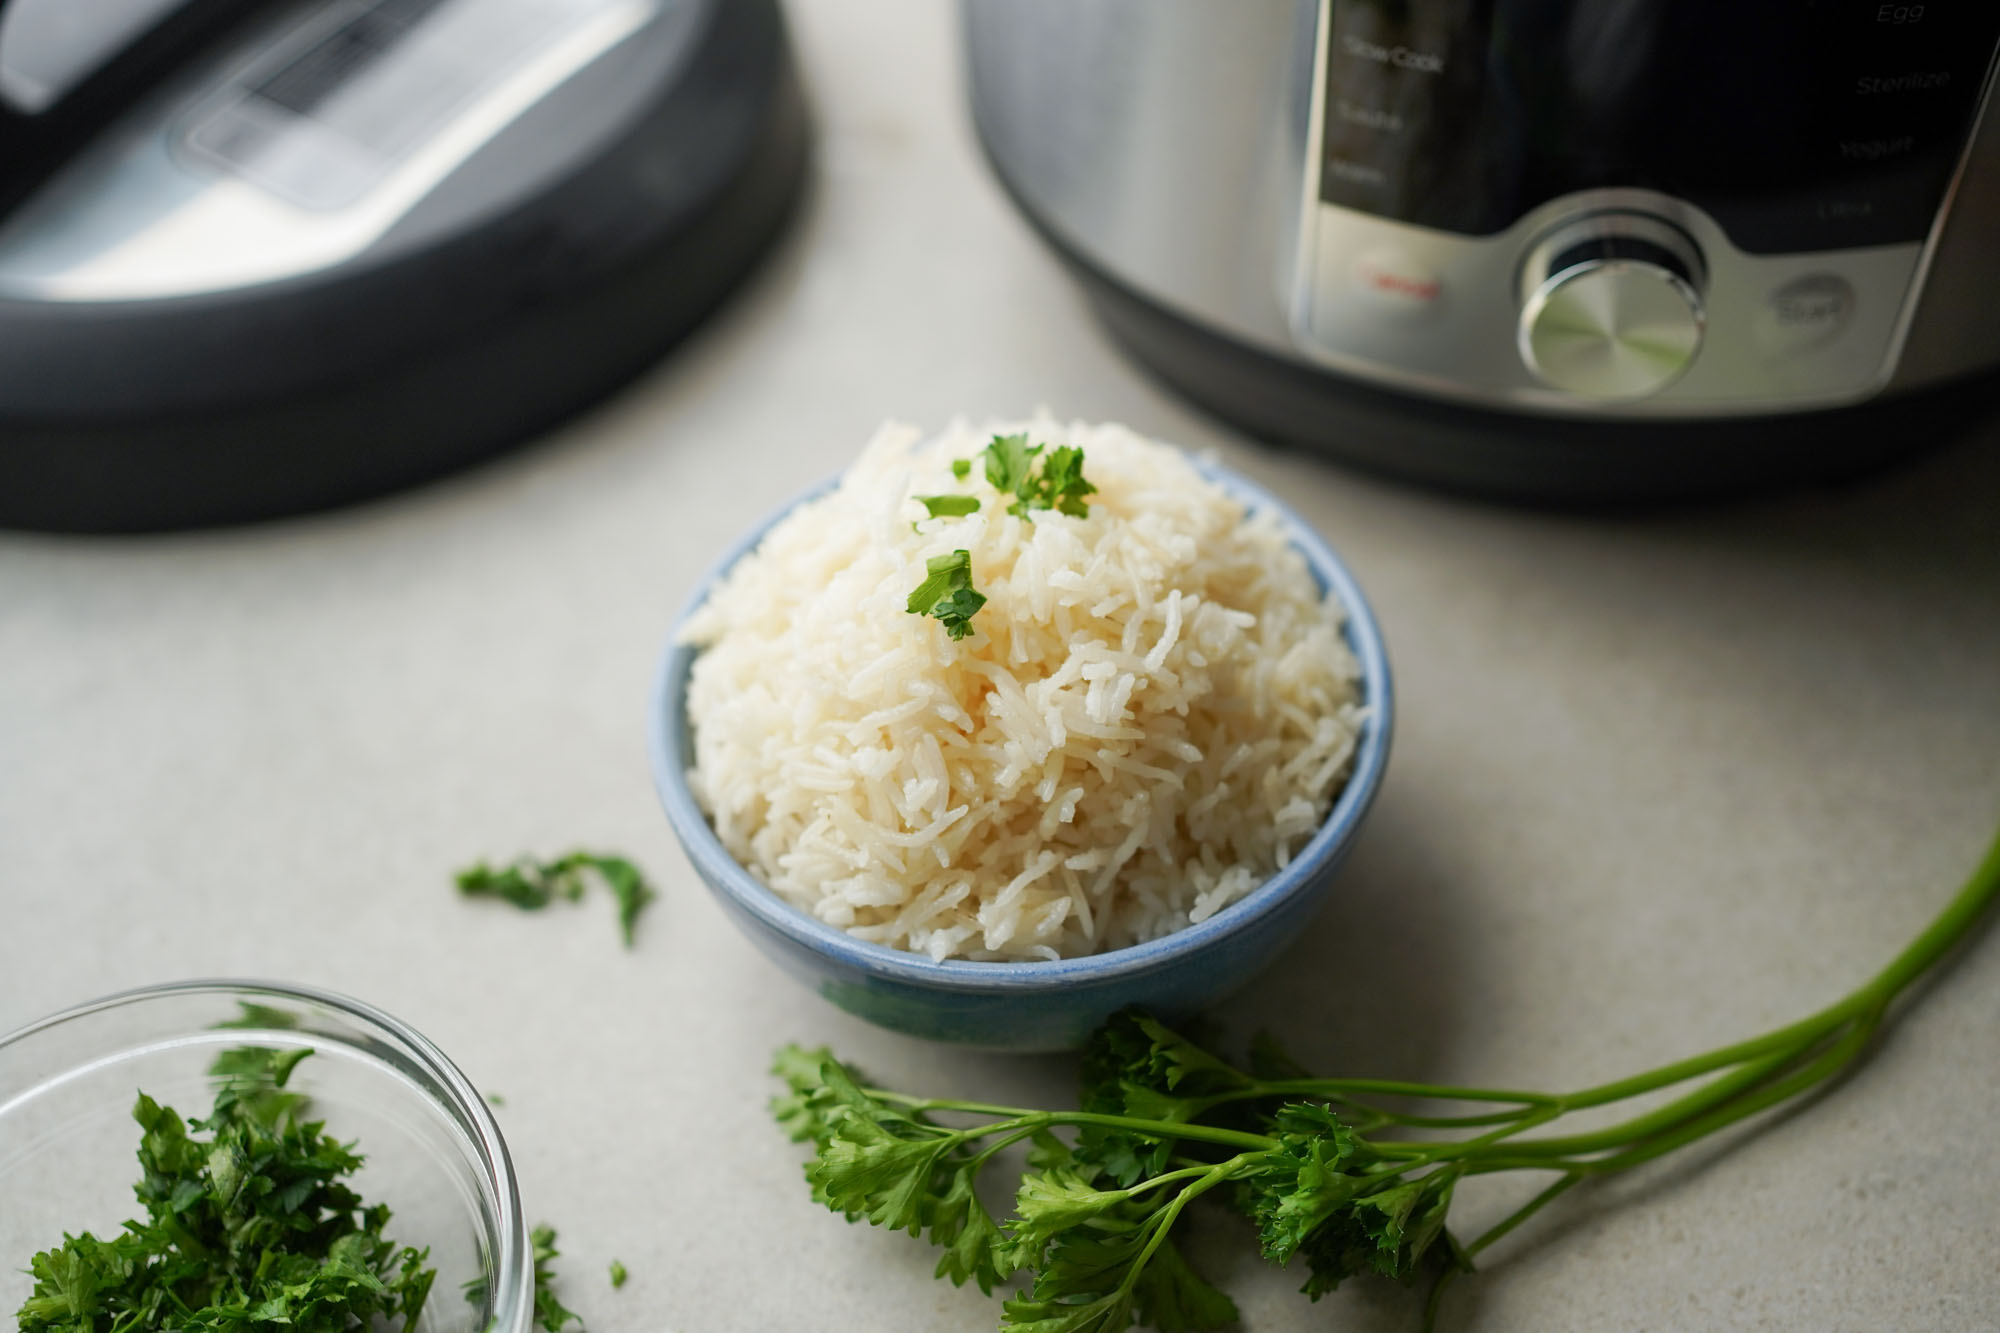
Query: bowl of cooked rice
point(1006, 729)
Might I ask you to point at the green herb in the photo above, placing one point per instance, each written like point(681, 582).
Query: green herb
point(961, 468)
point(1325, 1169)
point(252, 1227)
point(253, 1015)
point(1010, 459)
point(947, 593)
point(550, 1313)
point(532, 885)
point(618, 1275)
point(495, 1099)
point(949, 506)
point(1059, 485)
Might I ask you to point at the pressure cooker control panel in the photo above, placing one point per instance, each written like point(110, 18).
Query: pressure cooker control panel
point(1708, 205)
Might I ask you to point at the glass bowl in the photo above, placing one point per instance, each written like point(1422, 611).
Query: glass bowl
point(434, 1154)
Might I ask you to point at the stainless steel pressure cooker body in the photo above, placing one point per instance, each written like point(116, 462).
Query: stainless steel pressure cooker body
point(1546, 249)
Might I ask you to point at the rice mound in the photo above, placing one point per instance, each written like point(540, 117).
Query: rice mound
point(1152, 714)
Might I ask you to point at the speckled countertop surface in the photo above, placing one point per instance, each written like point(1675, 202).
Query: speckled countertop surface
point(1658, 783)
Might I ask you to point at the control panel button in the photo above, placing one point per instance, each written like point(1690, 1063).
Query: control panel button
point(1616, 311)
point(1394, 280)
point(1805, 313)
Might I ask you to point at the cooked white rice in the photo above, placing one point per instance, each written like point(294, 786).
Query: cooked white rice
point(1152, 714)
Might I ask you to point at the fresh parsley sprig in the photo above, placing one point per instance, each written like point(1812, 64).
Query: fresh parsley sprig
point(1325, 1169)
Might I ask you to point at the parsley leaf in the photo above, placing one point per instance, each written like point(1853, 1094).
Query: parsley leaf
point(892, 1167)
point(1059, 484)
point(947, 593)
point(949, 506)
point(1135, 1066)
point(1009, 460)
point(618, 1274)
point(961, 468)
point(532, 885)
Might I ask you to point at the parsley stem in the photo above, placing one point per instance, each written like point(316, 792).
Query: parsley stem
point(1836, 1058)
point(1958, 918)
point(1315, 1087)
point(993, 1149)
point(1952, 925)
point(1163, 1220)
point(1192, 1169)
point(1521, 1214)
point(1781, 1041)
point(1017, 1117)
point(1708, 1096)
point(1435, 1300)
point(1452, 1121)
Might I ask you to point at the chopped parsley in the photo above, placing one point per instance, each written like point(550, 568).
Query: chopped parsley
point(254, 1226)
point(1058, 485)
point(1009, 461)
point(618, 1275)
point(251, 1015)
point(550, 1313)
point(532, 885)
point(947, 593)
point(1014, 468)
point(949, 506)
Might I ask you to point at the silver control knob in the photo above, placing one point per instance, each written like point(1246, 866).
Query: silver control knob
point(1612, 306)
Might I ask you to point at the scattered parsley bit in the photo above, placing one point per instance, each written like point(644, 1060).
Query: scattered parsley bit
point(251, 1227)
point(253, 1015)
point(550, 1313)
point(961, 468)
point(949, 506)
point(495, 1099)
point(618, 1275)
point(947, 593)
point(1010, 466)
point(1326, 1170)
point(531, 885)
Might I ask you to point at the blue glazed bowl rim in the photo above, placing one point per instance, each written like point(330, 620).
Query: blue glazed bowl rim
point(668, 739)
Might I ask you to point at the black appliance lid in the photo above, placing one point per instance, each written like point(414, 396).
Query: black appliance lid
point(390, 236)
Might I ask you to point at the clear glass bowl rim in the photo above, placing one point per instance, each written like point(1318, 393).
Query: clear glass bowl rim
point(512, 1288)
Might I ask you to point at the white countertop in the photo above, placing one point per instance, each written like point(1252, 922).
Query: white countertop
point(1658, 783)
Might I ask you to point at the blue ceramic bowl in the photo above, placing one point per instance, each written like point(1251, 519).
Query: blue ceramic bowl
point(1033, 1006)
